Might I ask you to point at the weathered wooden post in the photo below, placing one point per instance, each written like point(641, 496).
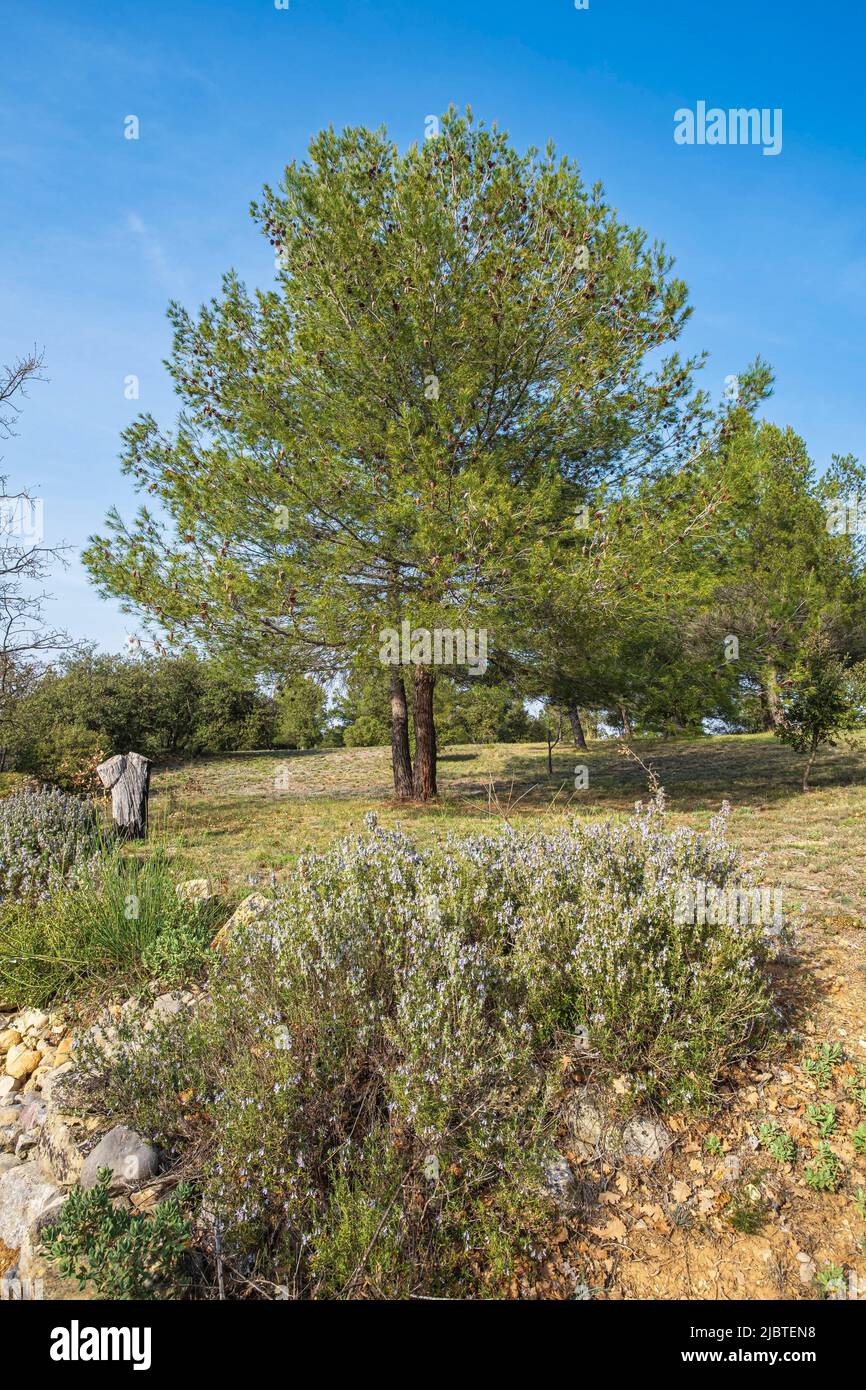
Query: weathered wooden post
point(128, 776)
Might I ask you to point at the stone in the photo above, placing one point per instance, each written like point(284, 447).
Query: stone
point(24, 1197)
point(646, 1137)
point(10, 1037)
point(65, 1088)
point(587, 1124)
point(130, 1158)
point(59, 1150)
point(42, 1275)
point(806, 1268)
point(9, 1084)
point(558, 1178)
point(32, 1021)
point(166, 1005)
point(23, 1065)
point(195, 890)
point(254, 906)
point(8, 1161)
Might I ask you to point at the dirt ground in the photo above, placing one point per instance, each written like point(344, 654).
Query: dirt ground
point(663, 1230)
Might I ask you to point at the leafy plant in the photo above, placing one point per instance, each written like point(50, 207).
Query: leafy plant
point(777, 1143)
point(823, 1117)
point(713, 1145)
point(858, 1139)
point(825, 1172)
point(856, 1084)
point(124, 1255)
point(820, 1066)
point(831, 1281)
point(823, 698)
point(124, 921)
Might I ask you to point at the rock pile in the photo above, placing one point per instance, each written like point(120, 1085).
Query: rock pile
point(52, 1135)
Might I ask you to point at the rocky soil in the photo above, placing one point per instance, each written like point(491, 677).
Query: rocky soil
point(647, 1204)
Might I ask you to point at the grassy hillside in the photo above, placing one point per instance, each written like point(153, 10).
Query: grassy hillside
point(248, 813)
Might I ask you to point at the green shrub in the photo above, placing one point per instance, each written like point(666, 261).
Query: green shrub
point(372, 1086)
point(124, 1255)
point(124, 923)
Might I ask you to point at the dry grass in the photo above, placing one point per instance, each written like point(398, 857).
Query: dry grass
point(242, 814)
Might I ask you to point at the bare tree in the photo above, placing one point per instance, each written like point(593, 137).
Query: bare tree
point(25, 563)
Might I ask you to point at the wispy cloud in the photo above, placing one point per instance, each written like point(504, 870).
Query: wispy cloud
point(154, 253)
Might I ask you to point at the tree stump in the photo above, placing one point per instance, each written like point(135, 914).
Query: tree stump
point(128, 776)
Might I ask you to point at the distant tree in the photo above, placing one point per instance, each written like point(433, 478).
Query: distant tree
point(92, 703)
point(777, 569)
point(822, 698)
point(301, 713)
point(25, 565)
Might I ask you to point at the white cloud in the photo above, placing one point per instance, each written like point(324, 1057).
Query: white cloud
point(154, 253)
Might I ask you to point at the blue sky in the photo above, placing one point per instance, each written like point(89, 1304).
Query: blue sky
point(98, 232)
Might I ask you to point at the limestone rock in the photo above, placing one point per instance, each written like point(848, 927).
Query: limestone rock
point(24, 1197)
point(32, 1021)
point(20, 1067)
point(254, 906)
point(130, 1158)
point(10, 1037)
point(59, 1149)
point(646, 1137)
point(195, 890)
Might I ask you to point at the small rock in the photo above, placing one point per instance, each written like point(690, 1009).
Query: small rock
point(806, 1268)
point(23, 1065)
point(9, 1084)
point(59, 1149)
point(255, 905)
point(646, 1137)
point(195, 890)
point(130, 1158)
point(10, 1037)
point(32, 1021)
point(558, 1177)
point(166, 1005)
point(587, 1124)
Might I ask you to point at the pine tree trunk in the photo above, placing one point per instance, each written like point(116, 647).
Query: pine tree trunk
point(627, 731)
point(771, 699)
point(128, 776)
point(576, 728)
point(401, 758)
point(425, 734)
point(812, 751)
